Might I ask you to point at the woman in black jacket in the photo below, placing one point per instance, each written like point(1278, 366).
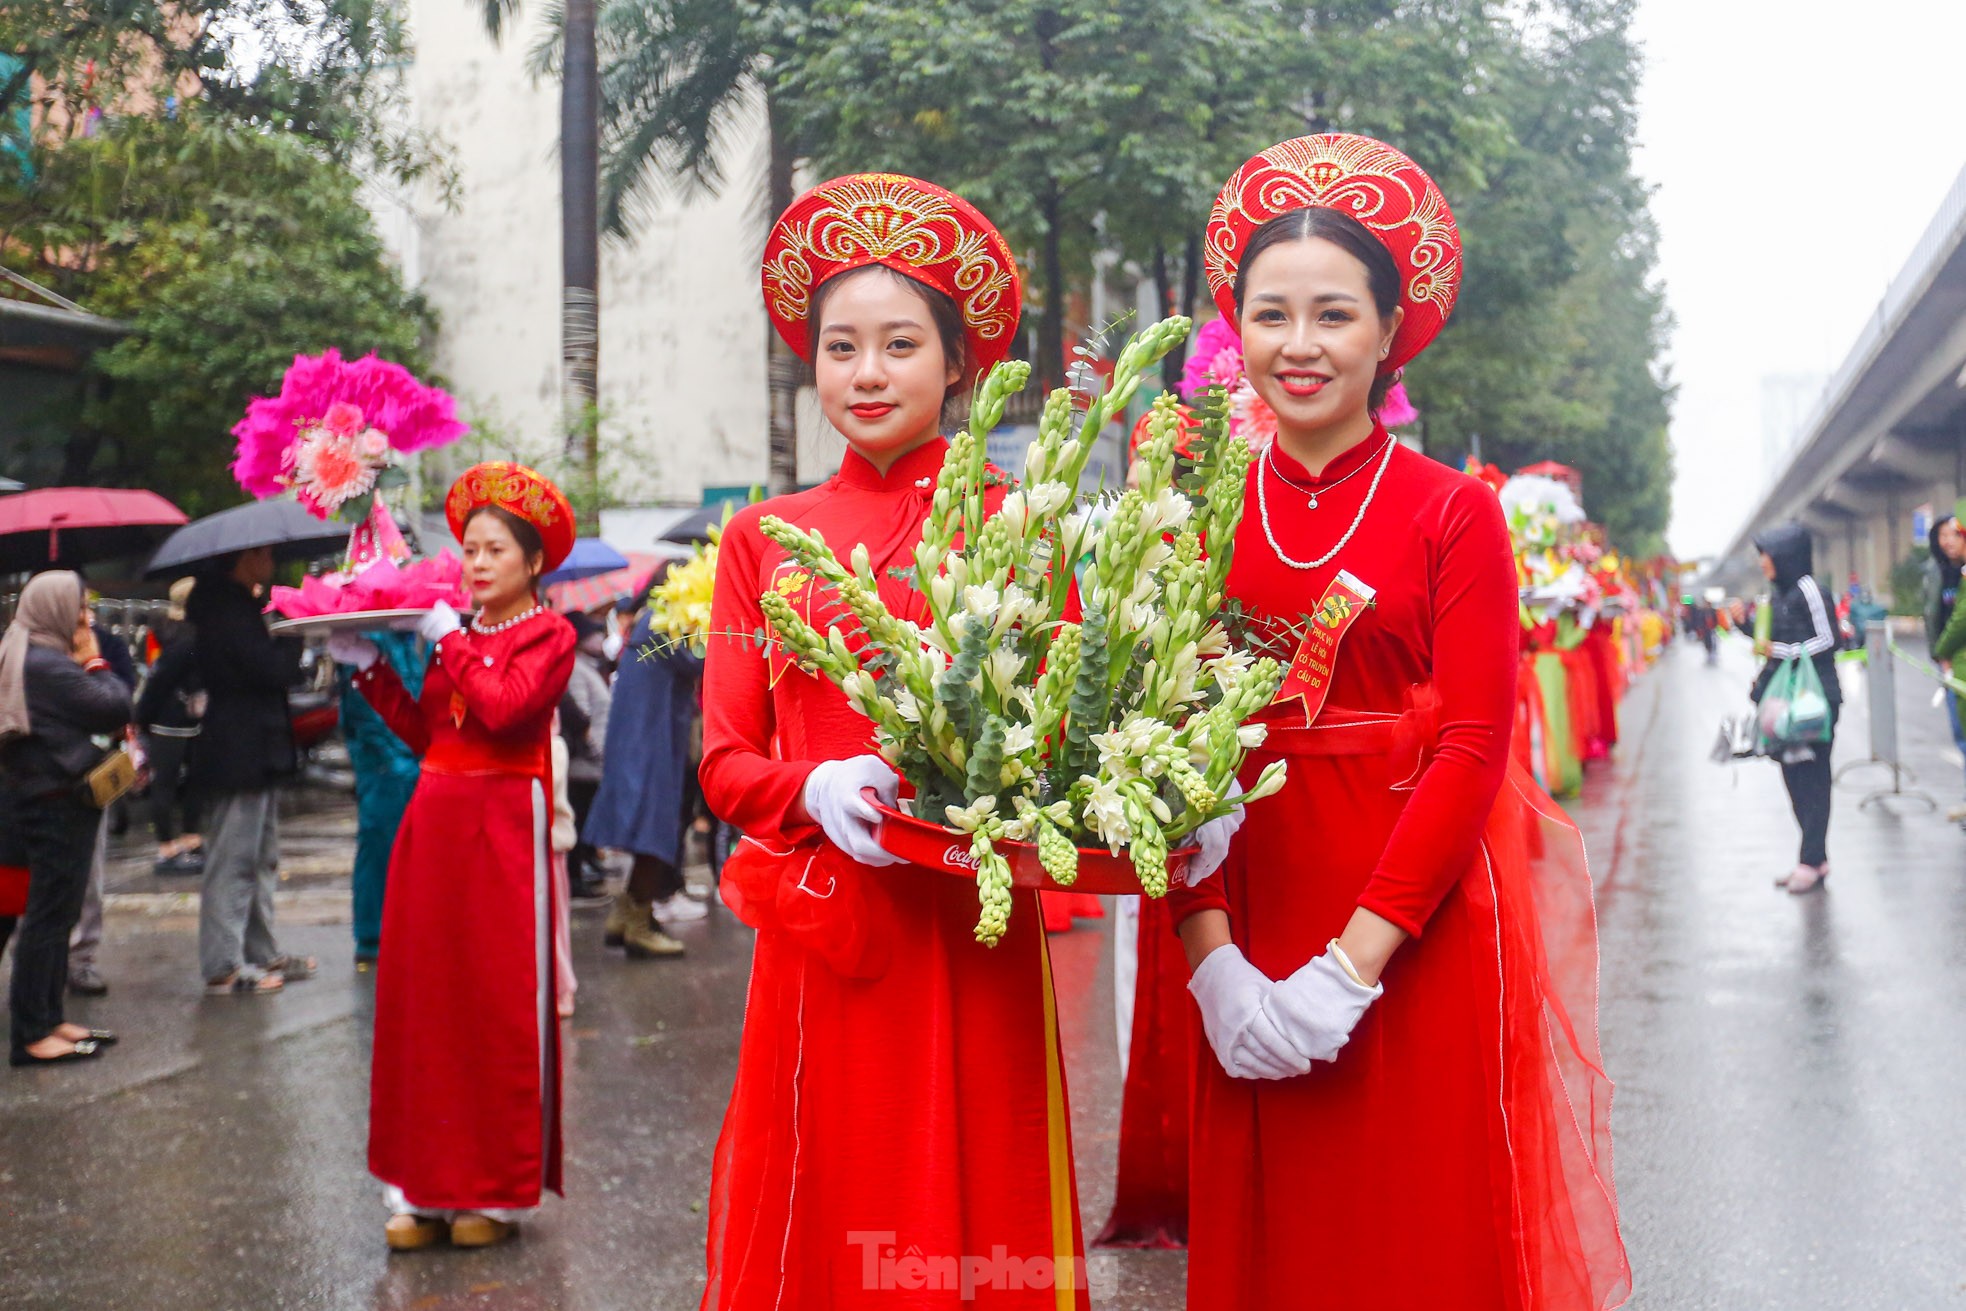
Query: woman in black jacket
point(1802, 624)
point(244, 751)
point(56, 694)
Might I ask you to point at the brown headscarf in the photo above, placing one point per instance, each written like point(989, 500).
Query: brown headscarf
point(46, 617)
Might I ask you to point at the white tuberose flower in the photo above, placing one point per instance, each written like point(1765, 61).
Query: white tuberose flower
point(1013, 514)
point(1048, 498)
point(1169, 509)
point(942, 593)
point(982, 601)
point(968, 818)
point(1002, 668)
point(1105, 811)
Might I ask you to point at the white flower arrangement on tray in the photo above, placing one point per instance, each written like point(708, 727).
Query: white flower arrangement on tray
point(1118, 729)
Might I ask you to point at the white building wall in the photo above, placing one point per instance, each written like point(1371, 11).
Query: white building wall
point(682, 367)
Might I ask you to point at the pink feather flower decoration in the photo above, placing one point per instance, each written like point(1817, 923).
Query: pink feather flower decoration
point(1217, 348)
point(1217, 357)
point(1398, 409)
point(343, 397)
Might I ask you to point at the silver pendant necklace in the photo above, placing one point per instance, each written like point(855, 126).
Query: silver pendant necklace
point(1314, 492)
point(1263, 507)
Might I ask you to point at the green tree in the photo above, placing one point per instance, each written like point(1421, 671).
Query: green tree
point(321, 70)
point(230, 251)
point(1553, 348)
point(1081, 127)
point(1011, 103)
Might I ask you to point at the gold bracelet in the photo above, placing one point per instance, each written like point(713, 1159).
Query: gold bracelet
point(1345, 962)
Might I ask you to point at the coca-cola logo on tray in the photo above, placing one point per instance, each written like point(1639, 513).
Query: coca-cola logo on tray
point(959, 858)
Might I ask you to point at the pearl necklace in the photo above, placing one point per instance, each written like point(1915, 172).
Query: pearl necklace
point(486, 631)
point(1316, 492)
point(1263, 507)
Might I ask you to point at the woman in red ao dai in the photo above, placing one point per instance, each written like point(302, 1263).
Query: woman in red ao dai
point(897, 1133)
point(1399, 1104)
point(464, 1102)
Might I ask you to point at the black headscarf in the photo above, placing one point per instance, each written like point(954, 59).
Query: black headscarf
point(1949, 568)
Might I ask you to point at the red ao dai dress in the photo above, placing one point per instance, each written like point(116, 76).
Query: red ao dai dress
point(900, 1101)
point(464, 1108)
point(1457, 1153)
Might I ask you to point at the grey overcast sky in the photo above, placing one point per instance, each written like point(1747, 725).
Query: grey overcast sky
point(1798, 150)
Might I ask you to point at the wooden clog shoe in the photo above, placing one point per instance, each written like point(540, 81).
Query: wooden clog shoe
point(474, 1230)
point(411, 1233)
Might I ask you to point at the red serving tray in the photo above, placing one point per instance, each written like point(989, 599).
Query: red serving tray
point(13, 891)
point(935, 847)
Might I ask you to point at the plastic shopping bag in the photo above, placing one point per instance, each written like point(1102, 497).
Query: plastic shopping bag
point(1794, 712)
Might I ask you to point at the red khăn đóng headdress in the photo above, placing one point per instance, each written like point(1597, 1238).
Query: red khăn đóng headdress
point(1367, 180)
point(913, 227)
point(513, 487)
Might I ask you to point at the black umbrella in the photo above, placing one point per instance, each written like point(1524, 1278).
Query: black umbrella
point(696, 525)
point(292, 532)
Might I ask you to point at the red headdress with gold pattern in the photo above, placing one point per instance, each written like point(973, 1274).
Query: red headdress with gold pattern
point(913, 227)
point(523, 492)
point(1366, 180)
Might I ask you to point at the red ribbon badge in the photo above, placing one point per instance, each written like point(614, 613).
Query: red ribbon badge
point(1309, 677)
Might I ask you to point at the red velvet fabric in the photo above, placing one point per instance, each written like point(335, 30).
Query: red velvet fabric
point(900, 1101)
point(464, 1106)
point(1433, 1163)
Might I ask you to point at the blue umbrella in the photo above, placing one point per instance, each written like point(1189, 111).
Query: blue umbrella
point(590, 556)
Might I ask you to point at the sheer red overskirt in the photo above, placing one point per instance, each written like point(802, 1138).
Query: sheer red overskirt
point(1061, 908)
point(1150, 1196)
point(1564, 1213)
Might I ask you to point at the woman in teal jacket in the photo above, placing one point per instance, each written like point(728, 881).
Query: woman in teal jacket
point(385, 775)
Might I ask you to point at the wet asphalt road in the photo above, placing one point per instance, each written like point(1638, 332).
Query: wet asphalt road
point(1791, 1108)
point(1790, 1117)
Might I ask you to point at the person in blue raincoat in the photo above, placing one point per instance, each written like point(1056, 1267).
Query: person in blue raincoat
point(385, 775)
point(642, 804)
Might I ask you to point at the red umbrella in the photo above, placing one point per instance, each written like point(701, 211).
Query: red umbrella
point(586, 593)
point(67, 526)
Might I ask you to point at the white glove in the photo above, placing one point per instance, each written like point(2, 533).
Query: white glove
point(1213, 839)
point(832, 797)
point(350, 649)
point(439, 624)
point(1230, 992)
point(1317, 1007)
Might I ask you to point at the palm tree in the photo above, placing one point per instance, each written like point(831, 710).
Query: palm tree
point(678, 83)
point(679, 79)
point(580, 238)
